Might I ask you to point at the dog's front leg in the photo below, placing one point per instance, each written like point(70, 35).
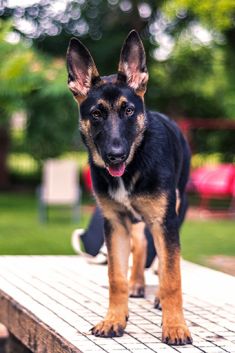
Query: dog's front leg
point(163, 224)
point(174, 328)
point(118, 246)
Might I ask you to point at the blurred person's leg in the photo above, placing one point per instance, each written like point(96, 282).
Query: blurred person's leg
point(151, 252)
point(92, 240)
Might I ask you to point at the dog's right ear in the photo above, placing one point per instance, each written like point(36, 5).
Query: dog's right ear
point(82, 72)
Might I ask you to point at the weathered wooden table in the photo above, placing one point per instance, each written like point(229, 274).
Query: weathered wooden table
point(50, 302)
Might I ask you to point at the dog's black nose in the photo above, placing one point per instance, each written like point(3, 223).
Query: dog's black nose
point(116, 155)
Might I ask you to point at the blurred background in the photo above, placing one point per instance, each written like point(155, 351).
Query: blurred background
point(190, 48)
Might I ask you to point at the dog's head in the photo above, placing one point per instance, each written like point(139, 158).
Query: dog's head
point(112, 113)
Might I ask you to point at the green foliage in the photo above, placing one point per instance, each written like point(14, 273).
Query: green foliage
point(37, 84)
point(218, 14)
point(201, 159)
point(196, 79)
point(17, 77)
point(52, 114)
point(22, 163)
point(206, 88)
point(52, 127)
point(25, 169)
point(193, 82)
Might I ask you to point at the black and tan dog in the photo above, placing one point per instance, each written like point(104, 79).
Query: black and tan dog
point(139, 164)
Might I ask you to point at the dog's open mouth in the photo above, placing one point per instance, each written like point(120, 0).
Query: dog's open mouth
point(116, 170)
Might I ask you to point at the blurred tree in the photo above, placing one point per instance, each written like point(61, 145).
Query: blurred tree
point(190, 48)
point(186, 42)
point(217, 14)
point(52, 118)
point(50, 24)
point(36, 84)
point(17, 79)
point(213, 24)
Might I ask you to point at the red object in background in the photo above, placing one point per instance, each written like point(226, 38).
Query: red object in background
point(213, 182)
point(86, 176)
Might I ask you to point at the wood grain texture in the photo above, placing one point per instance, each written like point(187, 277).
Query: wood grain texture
point(14, 345)
point(33, 333)
point(51, 302)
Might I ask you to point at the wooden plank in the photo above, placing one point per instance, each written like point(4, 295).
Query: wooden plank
point(50, 303)
point(33, 333)
point(14, 345)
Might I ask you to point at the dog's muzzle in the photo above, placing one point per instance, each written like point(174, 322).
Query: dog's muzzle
point(116, 161)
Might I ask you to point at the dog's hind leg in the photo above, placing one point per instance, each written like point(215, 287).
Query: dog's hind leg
point(118, 246)
point(157, 302)
point(139, 251)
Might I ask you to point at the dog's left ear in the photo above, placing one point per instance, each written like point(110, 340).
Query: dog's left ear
point(132, 65)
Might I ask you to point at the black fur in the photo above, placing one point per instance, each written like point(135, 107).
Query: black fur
point(161, 156)
point(136, 153)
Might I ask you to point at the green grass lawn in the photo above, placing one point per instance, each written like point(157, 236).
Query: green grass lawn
point(21, 233)
point(200, 239)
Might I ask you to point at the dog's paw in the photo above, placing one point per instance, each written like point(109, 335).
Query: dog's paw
point(176, 335)
point(157, 303)
point(136, 290)
point(110, 327)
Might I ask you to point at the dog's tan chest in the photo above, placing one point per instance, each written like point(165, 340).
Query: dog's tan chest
point(122, 196)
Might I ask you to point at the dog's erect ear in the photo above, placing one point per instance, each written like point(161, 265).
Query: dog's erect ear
point(132, 65)
point(82, 72)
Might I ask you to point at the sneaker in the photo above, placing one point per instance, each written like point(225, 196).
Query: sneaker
point(76, 241)
point(101, 258)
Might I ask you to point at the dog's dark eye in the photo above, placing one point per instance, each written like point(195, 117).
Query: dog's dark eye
point(96, 114)
point(129, 111)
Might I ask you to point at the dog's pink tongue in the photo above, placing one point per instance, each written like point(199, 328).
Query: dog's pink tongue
point(117, 171)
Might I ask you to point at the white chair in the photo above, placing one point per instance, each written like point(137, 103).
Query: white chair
point(60, 186)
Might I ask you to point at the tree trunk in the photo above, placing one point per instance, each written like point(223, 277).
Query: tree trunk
point(4, 147)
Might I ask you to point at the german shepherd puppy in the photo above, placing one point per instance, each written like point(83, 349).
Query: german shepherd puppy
point(139, 164)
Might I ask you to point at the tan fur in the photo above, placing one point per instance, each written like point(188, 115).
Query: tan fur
point(177, 206)
point(118, 245)
point(141, 124)
point(139, 251)
point(85, 127)
point(153, 209)
point(119, 102)
point(174, 326)
point(105, 103)
point(134, 179)
point(135, 79)
point(80, 88)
